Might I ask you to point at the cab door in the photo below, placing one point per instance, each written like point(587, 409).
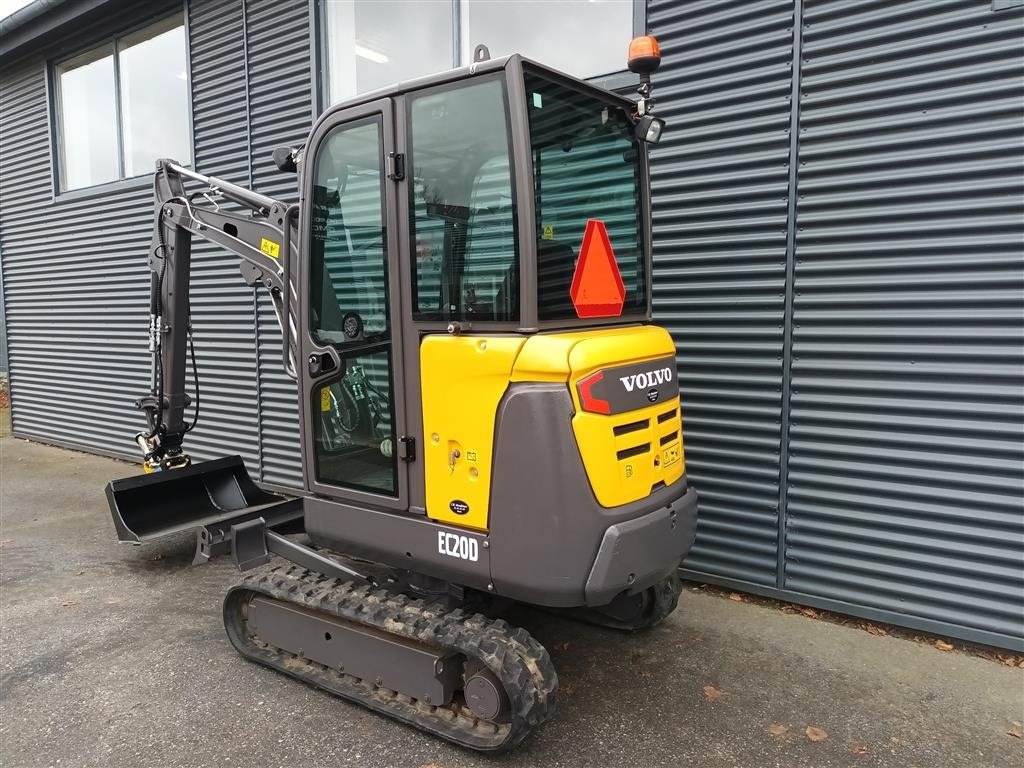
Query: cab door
point(351, 369)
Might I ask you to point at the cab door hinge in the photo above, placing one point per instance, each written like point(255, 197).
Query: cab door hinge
point(407, 448)
point(396, 166)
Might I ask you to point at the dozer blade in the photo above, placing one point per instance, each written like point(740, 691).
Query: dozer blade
point(205, 497)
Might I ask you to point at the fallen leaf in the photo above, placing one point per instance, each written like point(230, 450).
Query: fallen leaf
point(790, 609)
point(736, 597)
point(856, 748)
point(778, 729)
point(943, 646)
point(814, 733)
point(872, 629)
point(68, 603)
point(1015, 731)
point(712, 693)
point(1021, 663)
point(809, 613)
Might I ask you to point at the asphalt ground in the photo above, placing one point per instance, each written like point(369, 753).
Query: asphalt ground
point(112, 655)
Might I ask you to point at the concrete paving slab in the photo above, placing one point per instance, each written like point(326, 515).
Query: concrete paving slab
point(115, 656)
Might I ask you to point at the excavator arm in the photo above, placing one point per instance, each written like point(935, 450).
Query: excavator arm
point(217, 499)
point(264, 240)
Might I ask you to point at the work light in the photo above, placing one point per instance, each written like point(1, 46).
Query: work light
point(648, 128)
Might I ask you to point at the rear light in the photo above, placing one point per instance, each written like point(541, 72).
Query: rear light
point(588, 401)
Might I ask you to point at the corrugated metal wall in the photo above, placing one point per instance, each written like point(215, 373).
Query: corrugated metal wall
point(906, 442)
point(223, 307)
point(75, 284)
point(76, 280)
point(281, 110)
point(850, 327)
point(720, 198)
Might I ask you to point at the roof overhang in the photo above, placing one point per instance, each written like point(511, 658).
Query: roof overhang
point(30, 29)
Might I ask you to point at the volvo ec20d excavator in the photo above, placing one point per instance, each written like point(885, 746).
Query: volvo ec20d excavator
point(487, 413)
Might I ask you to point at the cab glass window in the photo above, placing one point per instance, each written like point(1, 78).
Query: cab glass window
point(463, 212)
point(352, 417)
point(348, 262)
point(585, 166)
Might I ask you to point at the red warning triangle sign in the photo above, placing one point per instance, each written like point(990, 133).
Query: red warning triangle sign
point(597, 289)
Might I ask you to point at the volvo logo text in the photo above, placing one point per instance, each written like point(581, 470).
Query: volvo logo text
point(646, 379)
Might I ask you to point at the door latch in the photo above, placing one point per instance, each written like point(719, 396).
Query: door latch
point(396, 166)
point(407, 448)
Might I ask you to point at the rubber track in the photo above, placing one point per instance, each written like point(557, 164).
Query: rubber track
point(520, 662)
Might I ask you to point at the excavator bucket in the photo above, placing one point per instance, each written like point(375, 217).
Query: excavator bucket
point(208, 497)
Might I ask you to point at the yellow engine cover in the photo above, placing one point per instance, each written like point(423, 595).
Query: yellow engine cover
point(463, 379)
point(626, 454)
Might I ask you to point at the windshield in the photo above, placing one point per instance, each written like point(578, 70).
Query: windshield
point(585, 166)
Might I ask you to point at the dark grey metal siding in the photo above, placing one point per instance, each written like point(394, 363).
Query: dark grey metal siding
point(3, 324)
point(281, 111)
point(906, 444)
point(859, 386)
point(720, 184)
point(75, 282)
point(223, 307)
point(75, 267)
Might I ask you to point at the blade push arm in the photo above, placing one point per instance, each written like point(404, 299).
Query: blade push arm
point(263, 240)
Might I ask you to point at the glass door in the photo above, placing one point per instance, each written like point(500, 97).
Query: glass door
point(352, 377)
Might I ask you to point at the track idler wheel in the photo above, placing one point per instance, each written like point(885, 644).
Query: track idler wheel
point(486, 697)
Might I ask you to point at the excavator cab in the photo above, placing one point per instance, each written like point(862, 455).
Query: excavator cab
point(486, 411)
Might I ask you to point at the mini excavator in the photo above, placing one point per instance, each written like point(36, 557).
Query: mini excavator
point(486, 412)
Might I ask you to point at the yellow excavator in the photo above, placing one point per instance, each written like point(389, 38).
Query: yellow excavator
point(487, 414)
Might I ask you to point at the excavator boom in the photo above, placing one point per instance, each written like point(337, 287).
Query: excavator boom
point(264, 243)
point(210, 497)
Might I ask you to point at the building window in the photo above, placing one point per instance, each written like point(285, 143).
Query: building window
point(122, 105)
point(372, 44)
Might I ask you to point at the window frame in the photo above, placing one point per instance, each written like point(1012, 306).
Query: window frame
point(110, 42)
point(516, 181)
point(612, 81)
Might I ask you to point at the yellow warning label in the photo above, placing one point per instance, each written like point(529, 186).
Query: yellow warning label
point(269, 247)
point(325, 399)
point(548, 233)
point(670, 455)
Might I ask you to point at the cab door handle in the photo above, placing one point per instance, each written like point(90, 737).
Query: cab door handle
point(322, 362)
